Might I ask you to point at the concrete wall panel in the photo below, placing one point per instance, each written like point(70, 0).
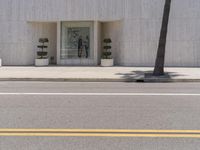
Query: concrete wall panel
point(140, 28)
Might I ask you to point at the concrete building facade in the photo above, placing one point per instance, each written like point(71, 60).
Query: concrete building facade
point(133, 25)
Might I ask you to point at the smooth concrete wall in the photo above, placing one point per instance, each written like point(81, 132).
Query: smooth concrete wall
point(15, 44)
point(183, 48)
point(141, 31)
point(140, 23)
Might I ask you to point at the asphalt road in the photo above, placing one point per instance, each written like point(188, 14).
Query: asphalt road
point(138, 106)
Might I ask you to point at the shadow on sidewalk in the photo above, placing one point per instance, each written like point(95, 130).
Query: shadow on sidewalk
point(146, 76)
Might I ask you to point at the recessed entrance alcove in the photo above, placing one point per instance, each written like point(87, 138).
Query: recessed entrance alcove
point(43, 30)
point(113, 30)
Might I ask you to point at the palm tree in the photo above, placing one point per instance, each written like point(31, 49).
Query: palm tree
point(160, 59)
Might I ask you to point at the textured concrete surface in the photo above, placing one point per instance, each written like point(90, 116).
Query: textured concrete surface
point(94, 73)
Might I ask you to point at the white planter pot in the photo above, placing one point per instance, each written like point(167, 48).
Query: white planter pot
point(107, 62)
point(42, 62)
point(0, 62)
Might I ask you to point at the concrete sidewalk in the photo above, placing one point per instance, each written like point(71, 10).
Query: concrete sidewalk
point(95, 74)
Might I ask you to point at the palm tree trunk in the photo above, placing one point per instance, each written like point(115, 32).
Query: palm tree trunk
point(160, 59)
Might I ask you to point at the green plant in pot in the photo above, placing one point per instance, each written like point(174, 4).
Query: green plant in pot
point(42, 59)
point(107, 47)
point(42, 54)
point(107, 60)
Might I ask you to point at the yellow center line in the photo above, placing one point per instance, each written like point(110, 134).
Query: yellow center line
point(100, 133)
point(98, 130)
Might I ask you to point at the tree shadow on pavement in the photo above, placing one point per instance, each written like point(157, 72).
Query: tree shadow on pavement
point(140, 76)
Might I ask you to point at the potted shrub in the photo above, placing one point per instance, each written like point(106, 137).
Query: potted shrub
point(42, 59)
point(107, 60)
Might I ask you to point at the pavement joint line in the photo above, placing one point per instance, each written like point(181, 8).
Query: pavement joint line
point(102, 94)
point(100, 133)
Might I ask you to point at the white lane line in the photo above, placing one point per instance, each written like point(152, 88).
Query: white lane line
point(104, 94)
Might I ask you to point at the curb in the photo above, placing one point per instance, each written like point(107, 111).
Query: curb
point(170, 80)
point(68, 79)
point(146, 80)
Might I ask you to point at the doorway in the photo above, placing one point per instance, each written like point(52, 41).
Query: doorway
point(76, 44)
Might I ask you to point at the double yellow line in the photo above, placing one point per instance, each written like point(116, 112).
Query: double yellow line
point(100, 133)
